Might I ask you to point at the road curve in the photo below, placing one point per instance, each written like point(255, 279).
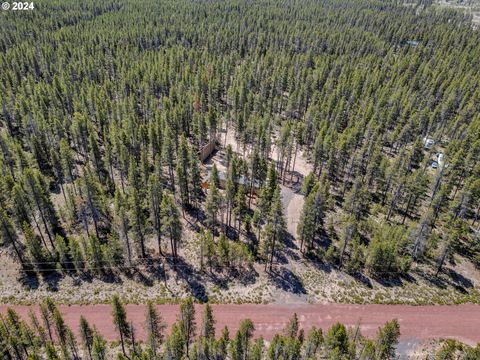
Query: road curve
point(461, 322)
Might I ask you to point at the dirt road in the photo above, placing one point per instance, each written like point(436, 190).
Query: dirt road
point(460, 322)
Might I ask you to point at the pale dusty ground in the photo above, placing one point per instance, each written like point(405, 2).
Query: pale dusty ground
point(471, 7)
point(298, 281)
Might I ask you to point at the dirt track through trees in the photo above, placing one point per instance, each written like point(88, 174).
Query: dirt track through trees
point(461, 322)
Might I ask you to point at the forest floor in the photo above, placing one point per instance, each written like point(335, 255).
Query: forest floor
point(471, 7)
point(293, 279)
point(421, 327)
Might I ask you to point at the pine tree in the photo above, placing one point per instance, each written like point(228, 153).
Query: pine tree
point(208, 323)
point(137, 219)
point(15, 328)
point(223, 250)
point(122, 223)
point(41, 338)
point(50, 351)
point(46, 308)
point(275, 231)
point(168, 154)
point(120, 321)
point(313, 342)
point(86, 335)
point(241, 344)
point(96, 261)
point(182, 171)
point(61, 331)
point(67, 162)
point(94, 199)
point(387, 339)
point(175, 344)
point(292, 327)
point(58, 170)
point(212, 206)
point(336, 339)
point(257, 349)
point(9, 235)
point(76, 255)
point(99, 347)
point(186, 323)
point(240, 208)
point(311, 218)
point(222, 344)
point(357, 201)
point(268, 189)
point(21, 207)
point(214, 176)
point(36, 189)
point(420, 235)
point(170, 220)
point(196, 192)
point(155, 327)
point(155, 194)
point(349, 233)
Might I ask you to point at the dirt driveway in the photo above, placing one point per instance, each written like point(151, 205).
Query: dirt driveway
point(461, 322)
point(292, 206)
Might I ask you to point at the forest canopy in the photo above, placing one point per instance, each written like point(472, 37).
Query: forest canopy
point(106, 105)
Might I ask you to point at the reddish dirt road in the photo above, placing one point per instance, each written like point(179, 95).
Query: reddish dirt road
point(460, 322)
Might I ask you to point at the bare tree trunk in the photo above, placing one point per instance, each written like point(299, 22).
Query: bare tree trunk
point(273, 251)
point(294, 160)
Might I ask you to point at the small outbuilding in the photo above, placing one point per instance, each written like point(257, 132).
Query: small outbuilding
point(428, 143)
point(222, 176)
point(207, 150)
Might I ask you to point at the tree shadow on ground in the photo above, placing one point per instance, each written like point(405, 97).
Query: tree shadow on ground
point(323, 240)
point(394, 280)
point(222, 276)
point(448, 277)
point(460, 282)
point(141, 277)
point(296, 181)
point(107, 275)
point(216, 277)
point(362, 279)
point(281, 258)
point(187, 273)
point(437, 281)
point(289, 251)
point(409, 278)
point(318, 263)
point(246, 276)
point(286, 280)
point(52, 279)
point(390, 281)
point(289, 242)
point(29, 279)
point(197, 214)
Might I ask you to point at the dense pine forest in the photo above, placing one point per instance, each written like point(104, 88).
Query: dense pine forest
point(106, 106)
